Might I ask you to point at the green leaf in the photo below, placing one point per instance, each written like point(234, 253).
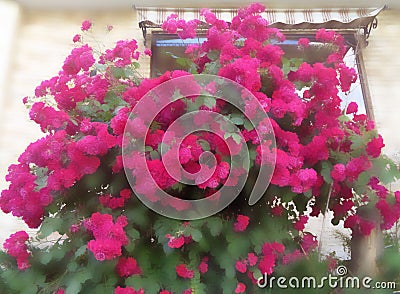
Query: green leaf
point(213, 55)
point(41, 178)
point(204, 144)
point(81, 251)
point(136, 64)
point(326, 171)
point(49, 226)
point(195, 233)
point(237, 121)
point(385, 169)
point(237, 138)
point(149, 285)
point(215, 226)
point(118, 72)
point(154, 155)
point(77, 279)
point(73, 287)
point(133, 234)
point(228, 285)
point(238, 246)
point(210, 102)
point(72, 267)
point(212, 67)
point(248, 125)
point(45, 257)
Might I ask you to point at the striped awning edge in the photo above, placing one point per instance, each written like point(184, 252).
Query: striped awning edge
point(346, 17)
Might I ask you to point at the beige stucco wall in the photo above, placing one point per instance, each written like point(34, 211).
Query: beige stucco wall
point(382, 62)
point(38, 49)
point(43, 39)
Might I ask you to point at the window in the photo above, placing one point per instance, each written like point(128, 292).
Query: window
point(354, 24)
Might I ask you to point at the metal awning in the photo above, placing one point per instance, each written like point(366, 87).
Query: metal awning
point(345, 18)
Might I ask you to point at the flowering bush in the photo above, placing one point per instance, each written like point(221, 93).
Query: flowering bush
point(95, 236)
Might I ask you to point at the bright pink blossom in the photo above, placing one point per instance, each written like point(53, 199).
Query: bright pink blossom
point(109, 236)
point(241, 223)
point(76, 38)
point(175, 242)
point(241, 266)
point(352, 108)
point(127, 290)
point(86, 25)
point(127, 267)
point(338, 172)
point(303, 42)
point(203, 266)
point(15, 246)
point(240, 288)
point(300, 223)
point(183, 272)
point(81, 58)
point(375, 146)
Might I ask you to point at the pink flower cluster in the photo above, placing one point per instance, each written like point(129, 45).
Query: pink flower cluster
point(16, 247)
point(127, 290)
point(185, 29)
point(241, 223)
point(127, 266)
point(109, 239)
point(270, 252)
point(183, 272)
point(124, 52)
point(116, 202)
point(80, 59)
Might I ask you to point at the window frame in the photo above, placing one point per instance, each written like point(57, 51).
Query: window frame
point(353, 39)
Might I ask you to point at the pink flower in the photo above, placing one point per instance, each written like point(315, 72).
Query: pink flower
point(76, 38)
point(300, 223)
point(303, 42)
point(147, 52)
point(127, 290)
point(356, 166)
point(241, 223)
point(252, 259)
point(338, 173)
point(303, 180)
point(347, 77)
point(15, 246)
point(277, 210)
point(292, 257)
point(241, 266)
point(358, 225)
point(80, 59)
point(240, 288)
point(240, 69)
point(267, 264)
point(203, 266)
point(374, 146)
point(175, 242)
point(352, 108)
point(109, 236)
point(309, 242)
point(183, 272)
point(127, 267)
point(86, 25)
